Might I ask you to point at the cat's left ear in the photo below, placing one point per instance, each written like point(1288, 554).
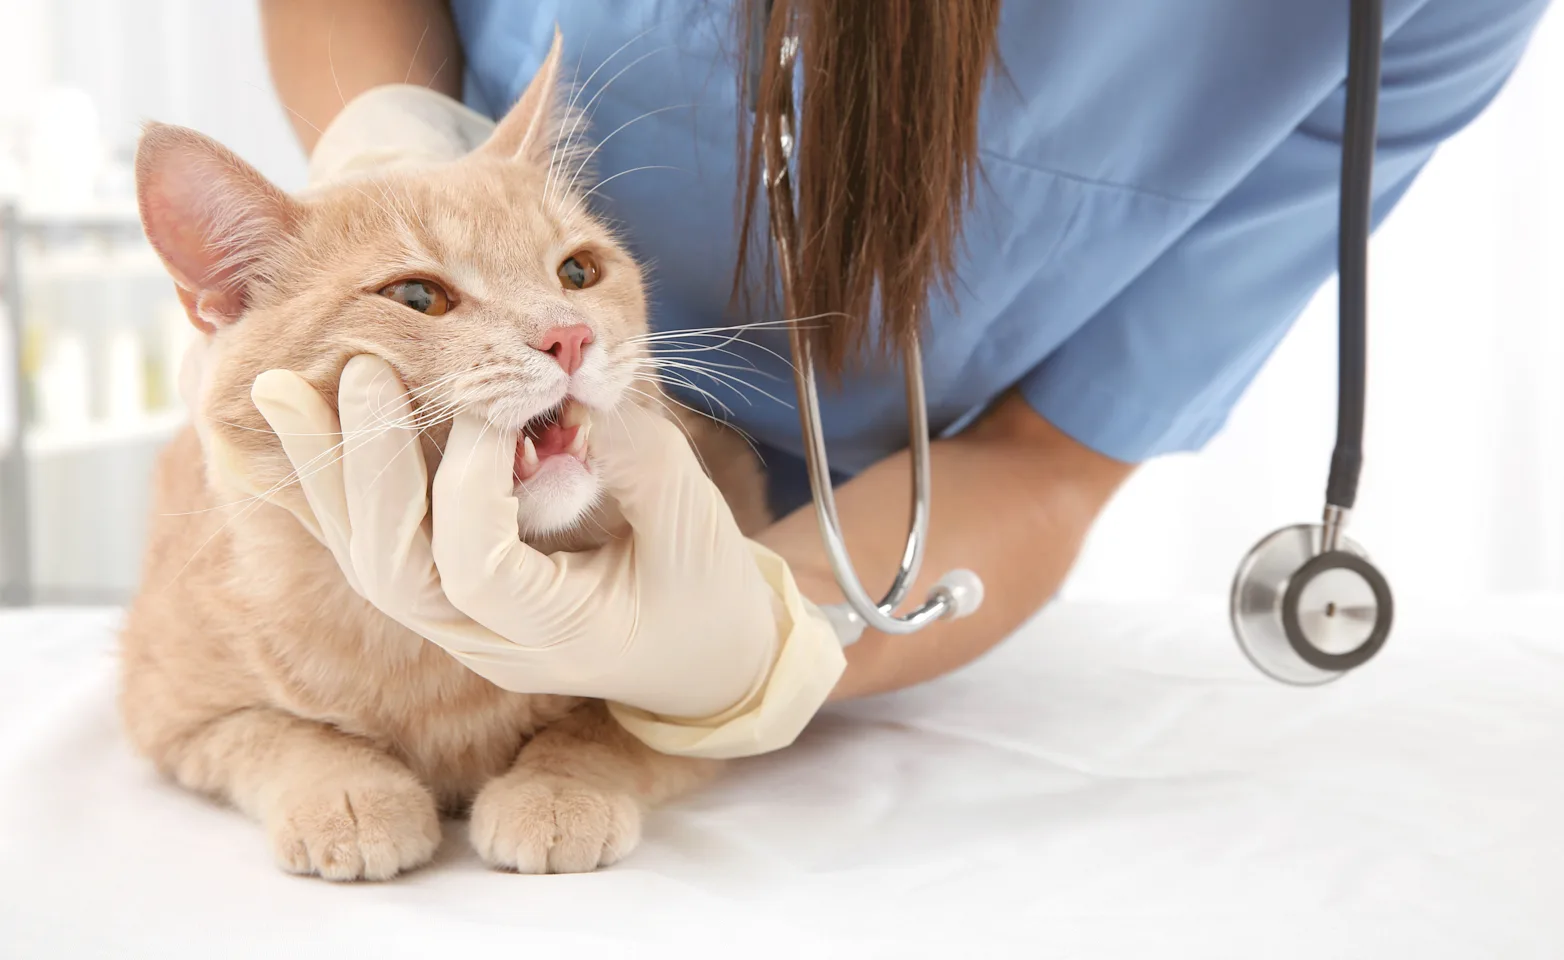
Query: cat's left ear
point(529, 130)
point(213, 219)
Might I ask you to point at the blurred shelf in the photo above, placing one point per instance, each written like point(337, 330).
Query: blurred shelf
point(122, 215)
point(154, 428)
point(75, 265)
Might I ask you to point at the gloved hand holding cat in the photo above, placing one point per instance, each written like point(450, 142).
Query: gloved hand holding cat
point(696, 636)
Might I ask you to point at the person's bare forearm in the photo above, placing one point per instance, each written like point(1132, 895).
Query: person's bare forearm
point(1014, 499)
point(324, 54)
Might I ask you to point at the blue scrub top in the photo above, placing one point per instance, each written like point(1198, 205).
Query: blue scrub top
point(1158, 199)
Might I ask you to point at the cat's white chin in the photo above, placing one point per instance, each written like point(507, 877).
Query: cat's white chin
point(556, 496)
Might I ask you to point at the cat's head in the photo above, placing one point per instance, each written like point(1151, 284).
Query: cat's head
point(485, 281)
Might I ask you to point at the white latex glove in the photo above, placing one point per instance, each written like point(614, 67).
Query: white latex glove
point(696, 635)
point(395, 125)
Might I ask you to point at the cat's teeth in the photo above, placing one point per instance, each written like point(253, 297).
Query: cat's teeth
point(578, 444)
point(529, 458)
point(575, 415)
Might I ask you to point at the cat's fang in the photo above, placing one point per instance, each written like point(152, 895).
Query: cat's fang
point(578, 444)
point(528, 461)
point(575, 415)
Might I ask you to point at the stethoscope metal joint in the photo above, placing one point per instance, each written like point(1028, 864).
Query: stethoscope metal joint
point(1306, 604)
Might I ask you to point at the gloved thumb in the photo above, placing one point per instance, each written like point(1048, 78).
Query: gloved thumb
point(311, 436)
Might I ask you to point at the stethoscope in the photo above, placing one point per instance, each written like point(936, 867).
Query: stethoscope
point(1306, 605)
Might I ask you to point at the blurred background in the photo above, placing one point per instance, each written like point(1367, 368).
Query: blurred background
point(1464, 485)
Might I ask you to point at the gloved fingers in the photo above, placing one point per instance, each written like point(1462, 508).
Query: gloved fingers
point(310, 435)
point(385, 481)
point(395, 124)
point(650, 468)
point(487, 571)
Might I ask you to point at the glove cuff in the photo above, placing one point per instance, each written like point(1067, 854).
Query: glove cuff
point(397, 124)
point(807, 667)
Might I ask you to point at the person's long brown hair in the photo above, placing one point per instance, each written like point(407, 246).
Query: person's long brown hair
point(886, 138)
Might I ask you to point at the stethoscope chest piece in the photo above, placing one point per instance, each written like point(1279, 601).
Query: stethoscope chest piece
point(1304, 615)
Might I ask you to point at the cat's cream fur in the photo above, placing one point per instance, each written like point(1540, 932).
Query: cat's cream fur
point(252, 672)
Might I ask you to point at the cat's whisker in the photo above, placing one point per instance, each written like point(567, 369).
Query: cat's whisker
point(686, 347)
point(295, 476)
point(247, 506)
point(579, 122)
point(587, 516)
point(680, 357)
point(622, 423)
point(462, 483)
point(730, 334)
point(675, 356)
point(402, 205)
point(324, 459)
point(438, 382)
point(575, 177)
point(436, 74)
point(753, 325)
point(413, 60)
point(302, 118)
point(743, 434)
point(412, 439)
point(672, 380)
point(673, 363)
point(383, 208)
point(571, 106)
point(603, 183)
point(663, 402)
point(727, 379)
point(331, 62)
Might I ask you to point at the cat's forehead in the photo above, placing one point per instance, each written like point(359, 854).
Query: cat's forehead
point(490, 217)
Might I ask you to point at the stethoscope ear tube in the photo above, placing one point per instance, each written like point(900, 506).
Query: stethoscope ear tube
point(1307, 605)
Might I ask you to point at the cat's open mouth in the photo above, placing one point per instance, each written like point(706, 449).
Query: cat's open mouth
point(560, 431)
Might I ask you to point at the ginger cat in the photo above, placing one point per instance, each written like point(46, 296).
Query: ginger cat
point(251, 671)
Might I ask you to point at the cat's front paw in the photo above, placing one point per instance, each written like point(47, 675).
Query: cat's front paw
point(370, 826)
point(545, 823)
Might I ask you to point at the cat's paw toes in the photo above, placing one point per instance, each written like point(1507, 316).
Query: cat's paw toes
point(369, 828)
point(552, 824)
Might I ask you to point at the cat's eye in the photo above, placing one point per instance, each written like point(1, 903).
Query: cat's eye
point(422, 295)
point(579, 271)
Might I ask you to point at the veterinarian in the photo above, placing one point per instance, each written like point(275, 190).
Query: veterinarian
point(1101, 219)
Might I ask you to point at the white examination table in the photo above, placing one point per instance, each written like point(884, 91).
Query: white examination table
point(1113, 782)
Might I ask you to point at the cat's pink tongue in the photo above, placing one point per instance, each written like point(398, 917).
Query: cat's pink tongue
point(550, 440)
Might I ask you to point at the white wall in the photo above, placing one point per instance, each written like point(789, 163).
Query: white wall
point(193, 62)
point(1463, 489)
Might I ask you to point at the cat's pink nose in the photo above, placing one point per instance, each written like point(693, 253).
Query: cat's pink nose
point(566, 345)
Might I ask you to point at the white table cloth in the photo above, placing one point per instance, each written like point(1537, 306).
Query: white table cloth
point(1112, 782)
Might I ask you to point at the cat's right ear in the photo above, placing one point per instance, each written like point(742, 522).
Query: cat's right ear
point(211, 217)
point(529, 129)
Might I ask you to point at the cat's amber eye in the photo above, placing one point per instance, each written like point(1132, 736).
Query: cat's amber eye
point(579, 271)
point(422, 295)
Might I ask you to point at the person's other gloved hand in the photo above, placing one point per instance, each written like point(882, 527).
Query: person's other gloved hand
point(393, 125)
point(697, 636)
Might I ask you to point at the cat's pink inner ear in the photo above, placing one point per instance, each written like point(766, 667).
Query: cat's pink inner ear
point(211, 217)
point(527, 131)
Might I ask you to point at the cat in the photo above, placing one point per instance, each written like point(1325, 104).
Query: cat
point(252, 672)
